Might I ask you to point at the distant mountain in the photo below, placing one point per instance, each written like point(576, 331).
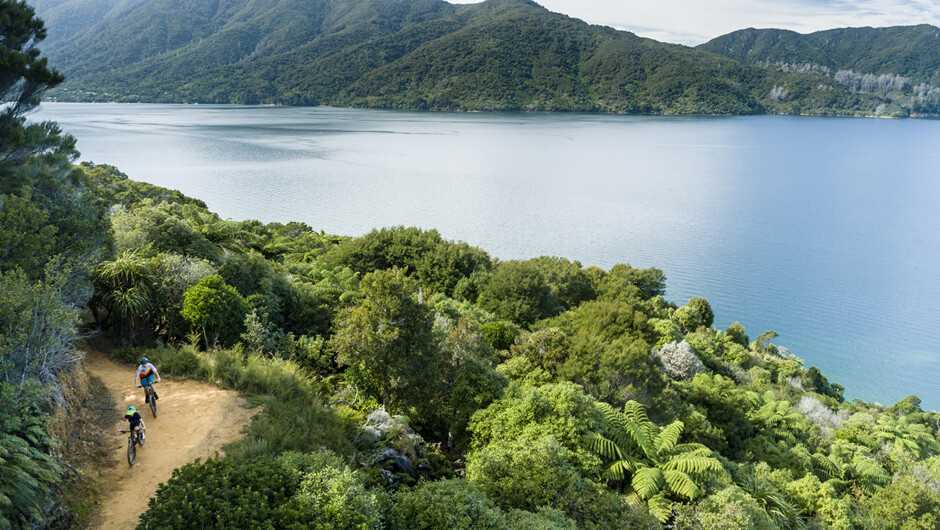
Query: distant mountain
point(909, 51)
point(415, 54)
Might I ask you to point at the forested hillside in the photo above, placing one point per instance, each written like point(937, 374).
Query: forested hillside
point(415, 54)
point(902, 64)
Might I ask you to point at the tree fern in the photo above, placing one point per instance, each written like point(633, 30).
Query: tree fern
point(649, 461)
point(681, 483)
point(840, 472)
point(776, 419)
point(697, 465)
point(825, 467)
point(782, 512)
point(669, 437)
point(27, 472)
point(648, 481)
point(619, 470)
point(660, 507)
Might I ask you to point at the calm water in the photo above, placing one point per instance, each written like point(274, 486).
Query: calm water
point(825, 230)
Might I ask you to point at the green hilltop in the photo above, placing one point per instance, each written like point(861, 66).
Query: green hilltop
point(498, 55)
point(910, 51)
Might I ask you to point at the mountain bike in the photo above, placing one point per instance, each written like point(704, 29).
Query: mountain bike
point(133, 440)
point(152, 399)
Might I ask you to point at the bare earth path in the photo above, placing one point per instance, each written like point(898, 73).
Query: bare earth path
point(194, 421)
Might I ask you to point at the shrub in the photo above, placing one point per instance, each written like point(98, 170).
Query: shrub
point(526, 473)
point(213, 494)
point(729, 509)
point(329, 496)
point(180, 362)
point(665, 331)
point(444, 505)
point(541, 519)
point(907, 503)
point(820, 414)
point(679, 361)
point(561, 410)
point(813, 497)
point(533, 474)
point(215, 309)
point(518, 291)
point(27, 472)
point(292, 491)
point(736, 333)
point(697, 313)
point(500, 335)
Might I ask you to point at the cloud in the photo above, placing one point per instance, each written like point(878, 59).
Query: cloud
point(694, 22)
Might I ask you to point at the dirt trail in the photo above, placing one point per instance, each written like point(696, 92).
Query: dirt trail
point(195, 420)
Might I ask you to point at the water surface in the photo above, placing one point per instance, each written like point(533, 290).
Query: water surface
point(825, 230)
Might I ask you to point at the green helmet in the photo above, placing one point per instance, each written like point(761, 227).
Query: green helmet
point(131, 410)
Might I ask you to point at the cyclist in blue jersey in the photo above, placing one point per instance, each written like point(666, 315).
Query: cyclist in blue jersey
point(145, 376)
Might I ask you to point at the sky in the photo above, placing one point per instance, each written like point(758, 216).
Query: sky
point(693, 22)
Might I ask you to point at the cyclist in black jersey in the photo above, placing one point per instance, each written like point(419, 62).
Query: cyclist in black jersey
point(136, 421)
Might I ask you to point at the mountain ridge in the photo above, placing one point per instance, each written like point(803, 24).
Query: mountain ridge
point(414, 54)
point(910, 51)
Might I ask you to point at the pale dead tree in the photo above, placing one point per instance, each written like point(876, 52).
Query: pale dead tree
point(38, 325)
point(870, 82)
point(778, 93)
point(679, 360)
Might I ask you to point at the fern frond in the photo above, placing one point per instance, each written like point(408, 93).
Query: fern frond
point(633, 500)
point(695, 449)
point(643, 441)
point(647, 482)
point(660, 507)
point(825, 466)
point(838, 485)
point(619, 469)
point(621, 428)
point(693, 465)
point(604, 447)
point(636, 411)
point(681, 484)
point(668, 438)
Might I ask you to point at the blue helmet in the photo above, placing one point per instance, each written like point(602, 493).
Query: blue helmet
point(144, 361)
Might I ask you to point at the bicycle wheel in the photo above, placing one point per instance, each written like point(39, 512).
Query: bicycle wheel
point(153, 401)
point(131, 450)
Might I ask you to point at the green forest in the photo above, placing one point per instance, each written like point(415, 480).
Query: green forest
point(496, 55)
point(405, 380)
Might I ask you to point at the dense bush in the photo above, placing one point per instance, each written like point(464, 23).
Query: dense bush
point(437, 264)
point(387, 342)
point(445, 505)
point(330, 495)
point(27, 471)
point(512, 376)
point(215, 310)
point(222, 492)
point(518, 292)
point(500, 334)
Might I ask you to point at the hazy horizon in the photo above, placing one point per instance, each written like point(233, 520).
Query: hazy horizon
point(693, 23)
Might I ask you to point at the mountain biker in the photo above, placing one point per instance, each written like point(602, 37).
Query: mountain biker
point(136, 422)
point(145, 374)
